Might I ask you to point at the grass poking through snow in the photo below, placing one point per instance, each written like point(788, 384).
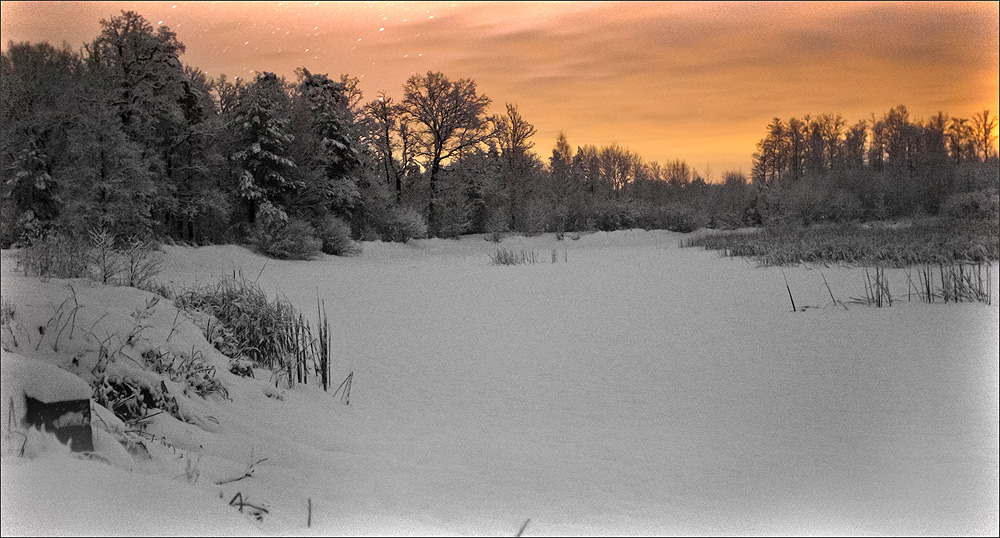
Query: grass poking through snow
point(271, 334)
point(507, 256)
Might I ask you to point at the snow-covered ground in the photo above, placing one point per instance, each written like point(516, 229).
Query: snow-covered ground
point(631, 387)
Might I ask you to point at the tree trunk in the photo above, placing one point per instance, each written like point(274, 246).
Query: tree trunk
point(432, 216)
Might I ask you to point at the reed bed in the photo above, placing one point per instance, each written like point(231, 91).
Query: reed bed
point(271, 334)
point(935, 243)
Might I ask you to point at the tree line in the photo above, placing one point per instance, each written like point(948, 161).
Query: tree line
point(122, 135)
point(888, 166)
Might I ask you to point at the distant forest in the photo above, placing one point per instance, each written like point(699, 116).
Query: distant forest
point(122, 135)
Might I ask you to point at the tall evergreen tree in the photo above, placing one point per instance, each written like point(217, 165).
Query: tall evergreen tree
point(265, 174)
point(328, 154)
point(38, 87)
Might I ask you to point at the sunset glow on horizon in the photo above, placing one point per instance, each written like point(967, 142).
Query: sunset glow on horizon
point(691, 81)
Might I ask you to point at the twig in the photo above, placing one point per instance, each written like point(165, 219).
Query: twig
point(346, 385)
point(831, 292)
point(248, 474)
point(787, 287)
point(524, 525)
point(243, 503)
point(174, 328)
point(104, 315)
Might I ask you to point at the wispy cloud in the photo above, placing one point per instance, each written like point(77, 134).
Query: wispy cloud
point(696, 81)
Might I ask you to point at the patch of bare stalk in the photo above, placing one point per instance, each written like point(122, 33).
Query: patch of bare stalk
point(110, 259)
point(953, 283)
point(876, 289)
point(507, 256)
point(323, 344)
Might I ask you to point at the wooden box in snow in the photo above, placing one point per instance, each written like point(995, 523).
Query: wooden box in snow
point(69, 420)
point(47, 397)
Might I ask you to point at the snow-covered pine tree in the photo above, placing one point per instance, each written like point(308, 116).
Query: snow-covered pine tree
point(326, 143)
point(196, 167)
point(265, 173)
point(36, 83)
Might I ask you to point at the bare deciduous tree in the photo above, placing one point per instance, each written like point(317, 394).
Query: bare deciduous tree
point(452, 118)
point(391, 136)
point(983, 126)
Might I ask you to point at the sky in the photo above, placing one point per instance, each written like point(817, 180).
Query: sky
point(673, 80)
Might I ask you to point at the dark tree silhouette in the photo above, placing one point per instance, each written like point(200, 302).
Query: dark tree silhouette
point(452, 118)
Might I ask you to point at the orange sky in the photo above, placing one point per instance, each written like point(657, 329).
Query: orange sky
point(694, 81)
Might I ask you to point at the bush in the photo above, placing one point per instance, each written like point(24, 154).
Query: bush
point(984, 204)
point(335, 235)
point(399, 224)
point(55, 255)
point(129, 261)
point(608, 216)
point(680, 218)
point(141, 262)
point(293, 239)
point(132, 399)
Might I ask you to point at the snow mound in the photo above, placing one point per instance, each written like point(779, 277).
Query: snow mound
point(40, 380)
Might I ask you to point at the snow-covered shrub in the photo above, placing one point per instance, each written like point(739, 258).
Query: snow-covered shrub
point(984, 204)
point(397, 224)
point(106, 262)
point(607, 216)
point(336, 237)
point(293, 239)
point(141, 261)
point(407, 225)
point(130, 261)
point(680, 218)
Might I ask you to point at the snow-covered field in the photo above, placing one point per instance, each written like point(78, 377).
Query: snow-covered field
point(632, 387)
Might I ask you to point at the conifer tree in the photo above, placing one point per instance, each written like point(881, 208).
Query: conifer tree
point(265, 175)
